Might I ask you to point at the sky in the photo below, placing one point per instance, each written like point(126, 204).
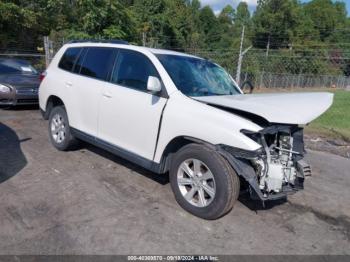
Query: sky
point(217, 5)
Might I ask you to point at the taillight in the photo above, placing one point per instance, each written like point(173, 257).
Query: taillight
point(42, 76)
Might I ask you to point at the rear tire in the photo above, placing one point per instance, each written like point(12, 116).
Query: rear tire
point(59, 130)
point(203, 182)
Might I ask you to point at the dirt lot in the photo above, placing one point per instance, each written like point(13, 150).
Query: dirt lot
point(90, 202)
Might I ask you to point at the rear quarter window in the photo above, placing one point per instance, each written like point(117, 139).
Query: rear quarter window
point(69, 57)
point(98, 62)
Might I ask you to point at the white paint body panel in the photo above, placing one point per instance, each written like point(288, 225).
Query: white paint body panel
point(84, 96)
point(292, 108)
point(130, 119)
point(184, 116)
point(81, 95)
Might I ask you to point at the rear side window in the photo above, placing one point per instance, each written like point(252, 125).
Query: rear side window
point(79, 61)
point(68, 58)
point(97, 62)
point(133, 70)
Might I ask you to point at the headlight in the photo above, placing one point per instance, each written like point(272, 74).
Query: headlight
point(4, 89)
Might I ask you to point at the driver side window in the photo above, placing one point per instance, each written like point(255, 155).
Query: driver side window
point(132, 70)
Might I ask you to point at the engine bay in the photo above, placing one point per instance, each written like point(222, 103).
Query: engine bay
point(281, 167)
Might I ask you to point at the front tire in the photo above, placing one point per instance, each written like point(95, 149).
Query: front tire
point(203, 182)
point(59, 130)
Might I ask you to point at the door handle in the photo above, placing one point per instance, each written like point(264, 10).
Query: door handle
point(107, 95)
point(68, 84)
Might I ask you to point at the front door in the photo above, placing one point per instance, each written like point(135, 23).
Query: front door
point(129, 115)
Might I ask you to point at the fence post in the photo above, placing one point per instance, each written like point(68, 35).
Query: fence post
point(47, 50)
point(238, 75)
point(261, 79)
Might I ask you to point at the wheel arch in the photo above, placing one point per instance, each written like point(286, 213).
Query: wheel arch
point(175, 145)
point(239, 165)
point(52, 102)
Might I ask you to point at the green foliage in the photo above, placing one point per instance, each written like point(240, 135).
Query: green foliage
point(290, 28)
point(274, 21)
point(243, 15)
point(336, 119)
point(326, 17)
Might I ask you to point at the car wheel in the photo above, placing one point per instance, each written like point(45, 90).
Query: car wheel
point(203, 182)
point(59, 130)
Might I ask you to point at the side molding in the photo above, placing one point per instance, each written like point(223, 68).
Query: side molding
point(123, 153)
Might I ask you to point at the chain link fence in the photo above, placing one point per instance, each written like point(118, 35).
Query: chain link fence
point(282, 69)
point(277, 70)
point(25, 50)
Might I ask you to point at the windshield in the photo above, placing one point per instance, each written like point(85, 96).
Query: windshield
point(198, 77)
point(14, 66)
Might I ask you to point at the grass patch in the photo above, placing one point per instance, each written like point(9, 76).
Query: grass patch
point(336, 121)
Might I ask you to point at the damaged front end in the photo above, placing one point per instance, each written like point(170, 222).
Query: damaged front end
point(275, 170)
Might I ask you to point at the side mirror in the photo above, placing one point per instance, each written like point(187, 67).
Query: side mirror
point(153, 84)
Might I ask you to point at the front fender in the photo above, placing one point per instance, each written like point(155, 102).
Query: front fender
point(187, 117)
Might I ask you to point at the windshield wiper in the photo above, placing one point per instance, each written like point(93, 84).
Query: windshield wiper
point(206, 93)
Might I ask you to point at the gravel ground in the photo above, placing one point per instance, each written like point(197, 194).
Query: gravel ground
point(335, 146)
point(88, 201)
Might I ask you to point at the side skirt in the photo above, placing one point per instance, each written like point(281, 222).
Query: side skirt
point(123, 153)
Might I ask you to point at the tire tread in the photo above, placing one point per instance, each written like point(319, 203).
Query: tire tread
point(233, 185)
point(70, 140)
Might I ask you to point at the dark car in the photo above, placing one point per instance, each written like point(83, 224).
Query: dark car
point(19, 82)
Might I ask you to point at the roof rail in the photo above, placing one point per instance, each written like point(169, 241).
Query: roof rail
point(112, 41)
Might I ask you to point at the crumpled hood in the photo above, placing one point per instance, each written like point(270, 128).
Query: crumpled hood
point(291, 108)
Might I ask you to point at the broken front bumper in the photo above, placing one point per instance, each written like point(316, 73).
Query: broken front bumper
point(241, 161)
point(245, 170)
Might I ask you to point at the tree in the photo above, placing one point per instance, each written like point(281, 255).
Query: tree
point(150, 20)
point(243, 15)
point(242, 18)
point(210, 26)
point(289, 26)
point(327, 18)
point(227, 15)
point(21, 22)
point(274, 21)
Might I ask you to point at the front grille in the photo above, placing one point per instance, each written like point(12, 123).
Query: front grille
point(27, 101)
point(27, 91)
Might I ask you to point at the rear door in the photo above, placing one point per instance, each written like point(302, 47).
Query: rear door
point(130, 115)
point(59, 81)
point(89, 77)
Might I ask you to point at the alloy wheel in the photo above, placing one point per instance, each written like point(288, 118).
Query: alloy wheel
point(196, 182)
point(58, 128)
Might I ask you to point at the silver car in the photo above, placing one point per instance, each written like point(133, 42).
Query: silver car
point(19, 82)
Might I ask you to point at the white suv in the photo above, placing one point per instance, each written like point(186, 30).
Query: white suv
point(172, 112)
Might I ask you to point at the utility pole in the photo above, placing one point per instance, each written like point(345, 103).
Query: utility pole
point(240, 59)
point(268, 45)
